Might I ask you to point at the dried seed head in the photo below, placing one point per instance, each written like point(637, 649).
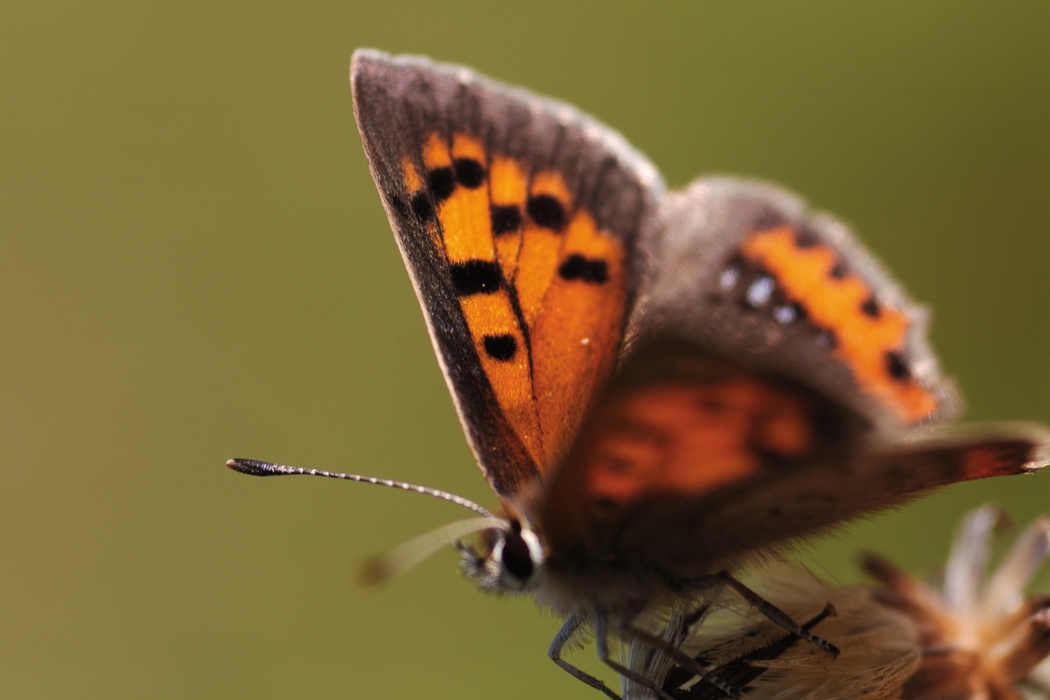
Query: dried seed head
point(975, 637)
point(981, 636)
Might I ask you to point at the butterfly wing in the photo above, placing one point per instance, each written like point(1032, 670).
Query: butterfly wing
point(685, 536)
point(776, 383)
point(747, 272)
point(517, 218)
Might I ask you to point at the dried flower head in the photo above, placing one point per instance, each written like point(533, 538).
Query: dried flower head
point(974, 638)
point(981, 637)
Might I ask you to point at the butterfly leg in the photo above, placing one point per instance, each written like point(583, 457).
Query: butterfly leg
point(601, 641)
point(677, 655)
point(564, 636)
point(772, 612)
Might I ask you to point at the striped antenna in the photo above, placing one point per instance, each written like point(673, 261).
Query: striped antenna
point(259, 468)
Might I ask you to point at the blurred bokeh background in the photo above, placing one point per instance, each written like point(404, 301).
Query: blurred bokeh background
point(194, 265)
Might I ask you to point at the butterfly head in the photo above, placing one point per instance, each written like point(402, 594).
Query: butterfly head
point(504, 560)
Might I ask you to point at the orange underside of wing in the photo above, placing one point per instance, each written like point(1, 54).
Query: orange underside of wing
point(576, 335)
point(547, 333)
point(674, 438)
point(508, 188)
point(835, 303)
point(998, 458)
point(690, 439)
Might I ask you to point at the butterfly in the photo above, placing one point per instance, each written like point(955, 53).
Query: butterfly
point(658, 386)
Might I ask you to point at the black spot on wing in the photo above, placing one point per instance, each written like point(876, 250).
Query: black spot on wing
point(870, 307)
point(500, 347)
point(422, 207)
point(577, 267)
point(546, 211)
point(897, 366)
point(505, 218)
point(476, 277)
point(469, 173)
point(442, 183)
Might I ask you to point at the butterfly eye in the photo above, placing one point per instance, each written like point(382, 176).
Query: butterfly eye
point(521, 553)
point(516, 560)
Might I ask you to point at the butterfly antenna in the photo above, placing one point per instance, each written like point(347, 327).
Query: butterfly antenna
point(258, 468)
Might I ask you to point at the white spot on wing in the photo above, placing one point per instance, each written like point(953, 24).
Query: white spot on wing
point(760, 291)
point(785, 314)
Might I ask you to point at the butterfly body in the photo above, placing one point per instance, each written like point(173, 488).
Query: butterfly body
point(659, 387)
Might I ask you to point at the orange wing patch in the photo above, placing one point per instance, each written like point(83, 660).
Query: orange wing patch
point(456, 178)
point(577, 333)
point(691, 439)
point(677, 438)
point(869, 337)
point(508, 191)
point(542, 289)
point(463, 210)
point(541, 241)
point(1000, 457)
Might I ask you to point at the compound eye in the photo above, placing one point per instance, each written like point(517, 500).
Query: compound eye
point(516, 558)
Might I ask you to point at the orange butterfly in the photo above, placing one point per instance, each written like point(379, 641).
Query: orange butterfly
point(658, 386)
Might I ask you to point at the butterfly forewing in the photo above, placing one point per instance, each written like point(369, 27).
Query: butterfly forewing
point(518, 219)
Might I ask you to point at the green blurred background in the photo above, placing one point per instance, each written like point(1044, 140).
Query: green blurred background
point(194, 265)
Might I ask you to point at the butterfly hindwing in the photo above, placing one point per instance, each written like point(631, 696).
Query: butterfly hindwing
point(679, 421)
point(746, 271)
point(777, 508)
point(733, 461)
point(517, 218)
